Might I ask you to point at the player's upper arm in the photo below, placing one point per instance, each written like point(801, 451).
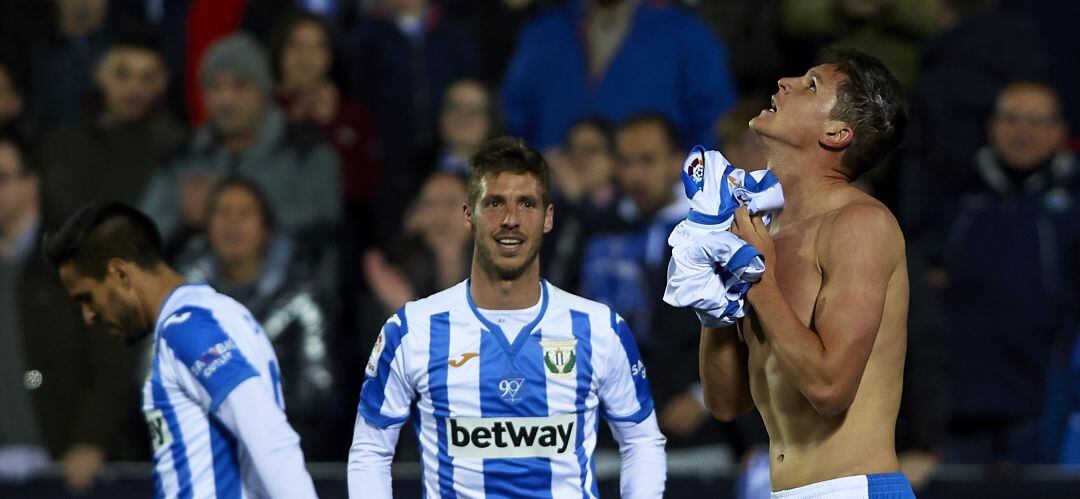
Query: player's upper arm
point(624, 388)
point(387, 394)
point(209, 355)
point(859, 251)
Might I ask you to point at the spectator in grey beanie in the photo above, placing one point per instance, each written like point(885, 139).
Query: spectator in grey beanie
point(246, 135)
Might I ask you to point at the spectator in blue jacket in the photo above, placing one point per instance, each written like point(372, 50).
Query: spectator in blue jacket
point(1009, 276)
point(612, 59)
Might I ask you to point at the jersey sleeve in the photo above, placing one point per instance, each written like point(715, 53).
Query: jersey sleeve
point(208, 354)
point(386, 395)
point(624, 390)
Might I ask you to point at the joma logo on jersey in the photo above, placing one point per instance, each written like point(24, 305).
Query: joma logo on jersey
point(488, 438)
point(560, 357)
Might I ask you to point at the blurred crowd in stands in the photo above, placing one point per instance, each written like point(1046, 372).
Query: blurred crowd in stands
point(307, 157)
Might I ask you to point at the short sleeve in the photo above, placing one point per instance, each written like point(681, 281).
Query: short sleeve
point(386, 395)
point(209, 355)
point(624, 389)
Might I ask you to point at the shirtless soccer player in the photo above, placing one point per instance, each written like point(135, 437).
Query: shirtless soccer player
point(821, 354)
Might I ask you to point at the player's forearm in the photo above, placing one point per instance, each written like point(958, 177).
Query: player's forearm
point(370, 456)
point(725, 379)
point(644, 463)
point(799, 350)
point(251, 415)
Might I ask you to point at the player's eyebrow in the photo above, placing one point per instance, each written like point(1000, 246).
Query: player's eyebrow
point(814, 76)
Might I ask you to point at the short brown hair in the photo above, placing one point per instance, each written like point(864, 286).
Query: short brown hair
point(872, 102)
point(507, 154)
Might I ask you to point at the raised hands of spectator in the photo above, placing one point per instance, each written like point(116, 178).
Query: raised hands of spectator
point(195, 187)
point(389, 284)
point(566, 181)
point(81, 465)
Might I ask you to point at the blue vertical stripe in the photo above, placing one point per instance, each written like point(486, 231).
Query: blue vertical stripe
point(226, 466)
point(514, 477)
point(579, 323)
point(373, 391)
point(439, 353)
point(275, 380)
point(177, 448)
point(418, 428)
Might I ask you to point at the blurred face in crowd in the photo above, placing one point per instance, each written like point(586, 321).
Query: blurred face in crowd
point(648, 165)
point(18, 187)
point(508, 223)
point(236, 225)
point(306, 56)
point(437, 210)
point(11, 103)
point(801, 107)
point(236, 105)
point(79, 17)
point(465, 119)
point(1027, 128)
point(590, 157)
point(131, 80)
point(110, 302)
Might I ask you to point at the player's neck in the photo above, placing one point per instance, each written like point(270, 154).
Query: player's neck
point(158, 285)
point(242, 270)
point(808, 183)
point(490, 292)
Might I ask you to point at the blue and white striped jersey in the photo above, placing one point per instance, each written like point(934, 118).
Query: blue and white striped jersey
point(503, 419)
point(206, 344)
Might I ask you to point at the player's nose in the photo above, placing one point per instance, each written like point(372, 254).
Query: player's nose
point(88, 314)
point(784, 84)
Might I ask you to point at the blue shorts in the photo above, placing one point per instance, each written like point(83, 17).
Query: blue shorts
point(881, 486)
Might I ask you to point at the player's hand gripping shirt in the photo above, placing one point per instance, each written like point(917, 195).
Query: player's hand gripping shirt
point(213, 403)
point(506, 419)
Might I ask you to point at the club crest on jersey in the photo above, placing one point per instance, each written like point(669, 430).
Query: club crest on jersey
point(560, 357)
point(376, 351)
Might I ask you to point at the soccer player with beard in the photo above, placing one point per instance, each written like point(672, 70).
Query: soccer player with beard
point(504, 375)
point(213, 396)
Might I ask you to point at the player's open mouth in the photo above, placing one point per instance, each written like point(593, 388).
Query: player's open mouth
point(772, 105)
point(509, 245)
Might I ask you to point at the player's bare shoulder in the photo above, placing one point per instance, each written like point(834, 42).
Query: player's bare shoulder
point(861, 228)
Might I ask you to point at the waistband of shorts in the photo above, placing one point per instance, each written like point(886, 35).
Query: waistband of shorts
point(859, 483)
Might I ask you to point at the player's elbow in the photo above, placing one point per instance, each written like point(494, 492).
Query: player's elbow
point(727, 410)
point(831, 400)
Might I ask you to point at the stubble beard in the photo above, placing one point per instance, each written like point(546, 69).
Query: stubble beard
point(486, 260)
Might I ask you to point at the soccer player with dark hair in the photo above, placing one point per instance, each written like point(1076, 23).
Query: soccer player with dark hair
point(505, 375)
point(213, 398)
point(822, 353)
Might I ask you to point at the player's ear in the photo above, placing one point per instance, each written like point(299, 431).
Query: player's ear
point(468, 213)
point(118, 269)
point(837, 135)
point(549, 218)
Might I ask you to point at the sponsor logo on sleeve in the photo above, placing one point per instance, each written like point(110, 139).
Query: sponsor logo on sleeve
point(493, 438)
point(213, 358)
